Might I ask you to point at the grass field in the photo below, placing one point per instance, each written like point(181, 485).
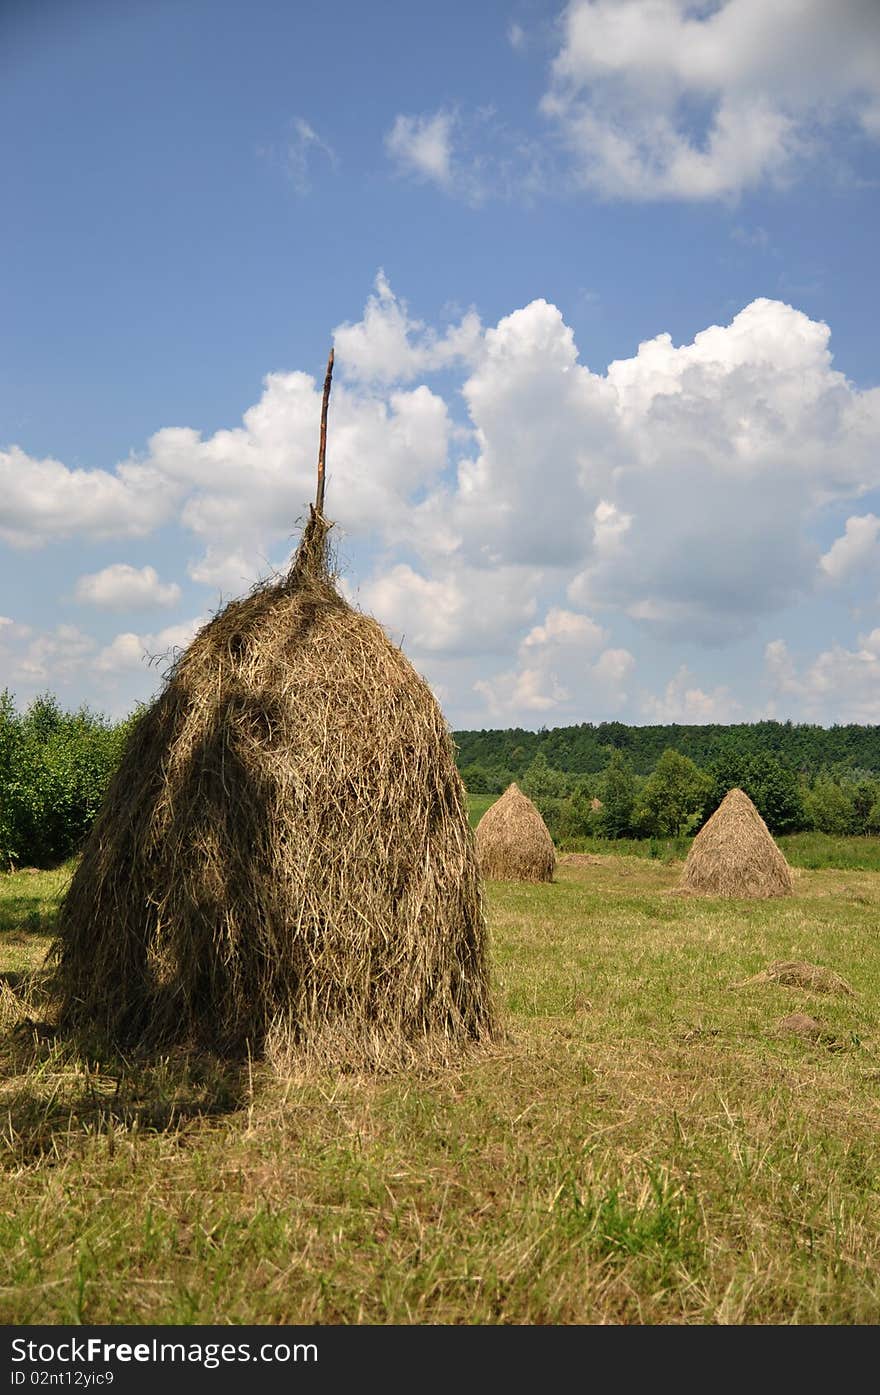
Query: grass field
point(646, 1145)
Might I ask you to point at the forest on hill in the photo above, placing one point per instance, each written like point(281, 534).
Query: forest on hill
point(499, 756)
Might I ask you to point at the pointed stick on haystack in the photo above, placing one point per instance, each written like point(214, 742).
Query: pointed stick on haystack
point(284, 854)
point(513, 842)
point(322, 447)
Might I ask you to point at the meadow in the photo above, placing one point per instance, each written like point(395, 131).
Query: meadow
point(645, 1145)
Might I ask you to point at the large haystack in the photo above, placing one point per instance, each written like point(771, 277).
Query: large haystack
point(513, 843)
point(734, 854)
point(285, 845)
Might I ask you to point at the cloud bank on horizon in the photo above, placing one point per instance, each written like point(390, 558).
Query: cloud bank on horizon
point(525, 548)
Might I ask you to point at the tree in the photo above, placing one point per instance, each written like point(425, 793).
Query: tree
point(10, 726)
point(674, 797)
point(864, 798)
point(829, 807)
point(771, 785)
point(542, 781)
point(774, 790)
point(618, 798)
point(577, 817)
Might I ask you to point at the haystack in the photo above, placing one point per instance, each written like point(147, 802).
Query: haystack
point(513, 843)
point(734, 854)
point(285, 847)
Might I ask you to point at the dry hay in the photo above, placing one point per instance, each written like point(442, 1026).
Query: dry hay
point(513, 843)
point(596, 805)
point(580, 860)
point(284, 850)
point(797, 973)
point(801, 1024)
point(734, 855)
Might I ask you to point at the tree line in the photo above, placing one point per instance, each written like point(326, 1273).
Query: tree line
point(609, 780)
point(677, 796)
point(505, 755)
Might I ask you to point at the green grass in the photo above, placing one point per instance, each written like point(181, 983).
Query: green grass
point(477, 806)
point(645, 1146)
point(815, 850)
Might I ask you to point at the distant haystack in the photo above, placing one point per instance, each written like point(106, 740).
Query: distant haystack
point(513, 843)
point(596, 805)
point(734, 855)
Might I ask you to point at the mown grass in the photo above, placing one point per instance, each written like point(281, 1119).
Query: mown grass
point(477, 806)
point(645, 1145)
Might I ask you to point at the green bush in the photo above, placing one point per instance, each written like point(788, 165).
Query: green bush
point(54, 769)
point(577, 817)
point(830, 807)
point(772, 787)
point(541, 781)
point(618, 798)
point(674, 797)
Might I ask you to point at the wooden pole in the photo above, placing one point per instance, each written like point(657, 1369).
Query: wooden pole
point(322, 449)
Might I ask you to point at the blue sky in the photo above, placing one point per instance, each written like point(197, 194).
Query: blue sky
point(601, 279)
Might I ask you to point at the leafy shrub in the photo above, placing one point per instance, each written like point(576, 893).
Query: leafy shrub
point(577, 817)
point(54, 769)
point(618, 798)
point(541, 781)
point(674, 797)
point(830, 807)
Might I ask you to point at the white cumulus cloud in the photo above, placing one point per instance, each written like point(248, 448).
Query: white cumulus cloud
point(44, 501)
point(51, 658)
point(837, 685)
point(422, 146)
point(387, 345)
point(683, 701)
point(678, 493)
point(855, 550)
point(560, 671)
point(123, 587)
point(667, 99)
point(134, 651)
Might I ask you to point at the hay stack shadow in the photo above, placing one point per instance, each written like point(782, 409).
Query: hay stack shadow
point(734, 855)
point(513, 842)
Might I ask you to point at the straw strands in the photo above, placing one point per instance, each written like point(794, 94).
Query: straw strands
point(513, 843)
point(284, 850)
point(734, 855)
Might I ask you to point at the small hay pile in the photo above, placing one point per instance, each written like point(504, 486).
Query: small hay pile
point(284, 854)
point(801, 1024)
point(513, 843)
point(797, 973)
point(734, 855)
